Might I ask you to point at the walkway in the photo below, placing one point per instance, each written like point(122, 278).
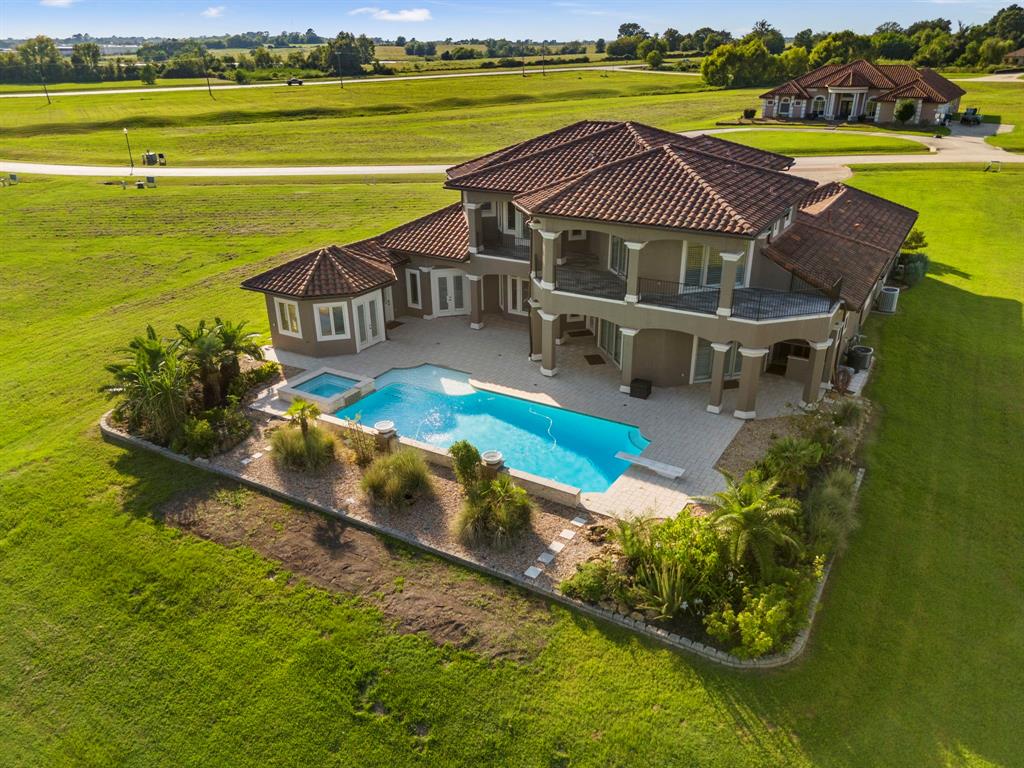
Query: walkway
point(122, 171)
point(532, 69)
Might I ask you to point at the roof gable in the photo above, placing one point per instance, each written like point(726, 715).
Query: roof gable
point(330, 271)
point(896, 81)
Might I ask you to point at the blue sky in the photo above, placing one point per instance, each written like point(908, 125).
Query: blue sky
point(558, 19)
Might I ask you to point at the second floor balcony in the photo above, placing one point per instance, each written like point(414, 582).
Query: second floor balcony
point(587, 278)
point(507, 246)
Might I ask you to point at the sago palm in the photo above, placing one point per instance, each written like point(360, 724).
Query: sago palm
point(302, 412)
point(238, 342)
point(205, 348)
point(755, 521)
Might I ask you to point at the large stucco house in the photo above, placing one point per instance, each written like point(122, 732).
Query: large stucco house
point(864, 91)
point(690, 260)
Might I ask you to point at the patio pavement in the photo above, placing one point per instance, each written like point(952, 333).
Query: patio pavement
point(675, 419)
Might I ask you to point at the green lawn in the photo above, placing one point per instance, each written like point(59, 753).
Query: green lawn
point(796, 143)
point(1002, 102)
point(123, 642)
point(106, 86)
point(422, 121)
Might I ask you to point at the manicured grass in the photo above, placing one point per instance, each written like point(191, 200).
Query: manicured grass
point(1002, 102)
point(106, 86)
point(796, 143)
point(123, 642)
point(424, 121)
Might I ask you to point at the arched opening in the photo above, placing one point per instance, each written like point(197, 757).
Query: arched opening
point(817, 106)
point(784, 107)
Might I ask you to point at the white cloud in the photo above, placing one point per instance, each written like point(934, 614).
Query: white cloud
point(213, 12)
point(407, 14)
point(56, 3)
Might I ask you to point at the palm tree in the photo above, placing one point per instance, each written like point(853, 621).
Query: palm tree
point(154, 386)
point(301, 412)
point(755, 521)
point(789, 460)
point(238, 342)
point(205, 348)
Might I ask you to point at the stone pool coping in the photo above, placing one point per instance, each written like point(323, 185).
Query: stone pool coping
point(117, 436)
point(288, 389)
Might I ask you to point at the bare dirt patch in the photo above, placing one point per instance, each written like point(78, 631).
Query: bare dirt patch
point(417, 592)
point(753, 441)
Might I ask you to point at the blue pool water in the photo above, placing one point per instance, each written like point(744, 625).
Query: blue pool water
point(326, 385)
point(439, 406)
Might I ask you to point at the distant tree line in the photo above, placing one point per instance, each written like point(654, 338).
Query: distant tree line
point(762, 56)
point(38, 60)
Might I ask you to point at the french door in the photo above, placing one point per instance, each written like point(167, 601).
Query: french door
point(704, 356)
point(450, 294)
point(609, 338)
point(368, 311)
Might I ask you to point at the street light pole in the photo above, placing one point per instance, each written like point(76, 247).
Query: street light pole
point(131, 158)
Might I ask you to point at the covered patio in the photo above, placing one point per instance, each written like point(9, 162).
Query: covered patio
point(682, 432)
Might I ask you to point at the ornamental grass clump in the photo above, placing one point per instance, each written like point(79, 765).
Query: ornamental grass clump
point(398, 479)
point(495, 511)
point(829, 512)
point(790, 461)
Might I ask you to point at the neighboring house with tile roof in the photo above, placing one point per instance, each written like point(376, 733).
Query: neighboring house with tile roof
point(690, 260)
point(865, 91)
point(1015, 58)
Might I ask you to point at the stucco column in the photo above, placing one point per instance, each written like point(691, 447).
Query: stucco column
point(548, 329)
point(535, 330)
point(718, 352)
point(730, 262)
point(830, 106)
point(633, 271)
point(831, 354)
point(427, 292)
point(812, 387)
point(551, 251)
point(474, 214)
point(628, 341)
point(476, 302)
point(750, 375)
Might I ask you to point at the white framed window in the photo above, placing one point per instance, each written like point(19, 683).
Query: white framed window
point(512, 222)
point(818, 104)
point(331, 321)
point(412, 289)
point(487, 210)
point(516, 295)
point(702, 267)
point(577, 234)
point(784, 106)
point(618, 259)
point(288, 317)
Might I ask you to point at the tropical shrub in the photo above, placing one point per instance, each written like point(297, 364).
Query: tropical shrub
point(310, 451)
point(397, 479)
point(757, 524)
point(495, 513)
point(301, 413)
point(198, 438)
point(593, 581)
point(253, 377)
point(465, 464)
point(790, 459)
point(915, 267)
point(765, 619)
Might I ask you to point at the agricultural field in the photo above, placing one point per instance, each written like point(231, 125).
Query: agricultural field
point(124, 640)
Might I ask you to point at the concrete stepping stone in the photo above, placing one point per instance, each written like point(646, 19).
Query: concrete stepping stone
point(556, 546)
point(532, 572)
point(545, 557)
point(579, 522)
point(567, 534)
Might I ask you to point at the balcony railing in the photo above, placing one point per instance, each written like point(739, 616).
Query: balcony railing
point(665, 293)
point(747, 303)
point(507, 246)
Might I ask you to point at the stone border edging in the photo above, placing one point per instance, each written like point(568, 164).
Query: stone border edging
point(114, 435)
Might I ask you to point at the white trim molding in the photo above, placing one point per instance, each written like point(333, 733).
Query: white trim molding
point(548, 371)
point(724, 311)
point(474, 278)
point(745, 415)
point(547, 234)
point(714, 408)
point(756, 352)
point(625, 389)
point(820, 345)
point(476, 326)
point(719, 346)
point(631, 298)
point(731, 257)
point(280, 301)
point(546, 316)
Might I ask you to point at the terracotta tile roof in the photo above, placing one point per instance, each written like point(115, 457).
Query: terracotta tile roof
point(677, 187)
point(536, 144)
point(843, 233)
point(896, 81)
point(330, 271)
point(361, 266)
point(730, 150)
point(608, 143)
point(443, 234)
point(540, 168)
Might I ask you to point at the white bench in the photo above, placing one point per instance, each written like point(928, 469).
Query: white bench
point(657, 467)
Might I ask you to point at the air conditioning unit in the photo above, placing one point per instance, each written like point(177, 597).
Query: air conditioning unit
point(888, 298)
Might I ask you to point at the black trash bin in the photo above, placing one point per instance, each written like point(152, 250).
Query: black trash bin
point(859, 357)
point(640, 388)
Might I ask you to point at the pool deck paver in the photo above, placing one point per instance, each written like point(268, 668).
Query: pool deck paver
point(675, 419)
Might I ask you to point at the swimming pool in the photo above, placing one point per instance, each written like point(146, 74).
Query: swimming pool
point(326, 385)
point(439, 406)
